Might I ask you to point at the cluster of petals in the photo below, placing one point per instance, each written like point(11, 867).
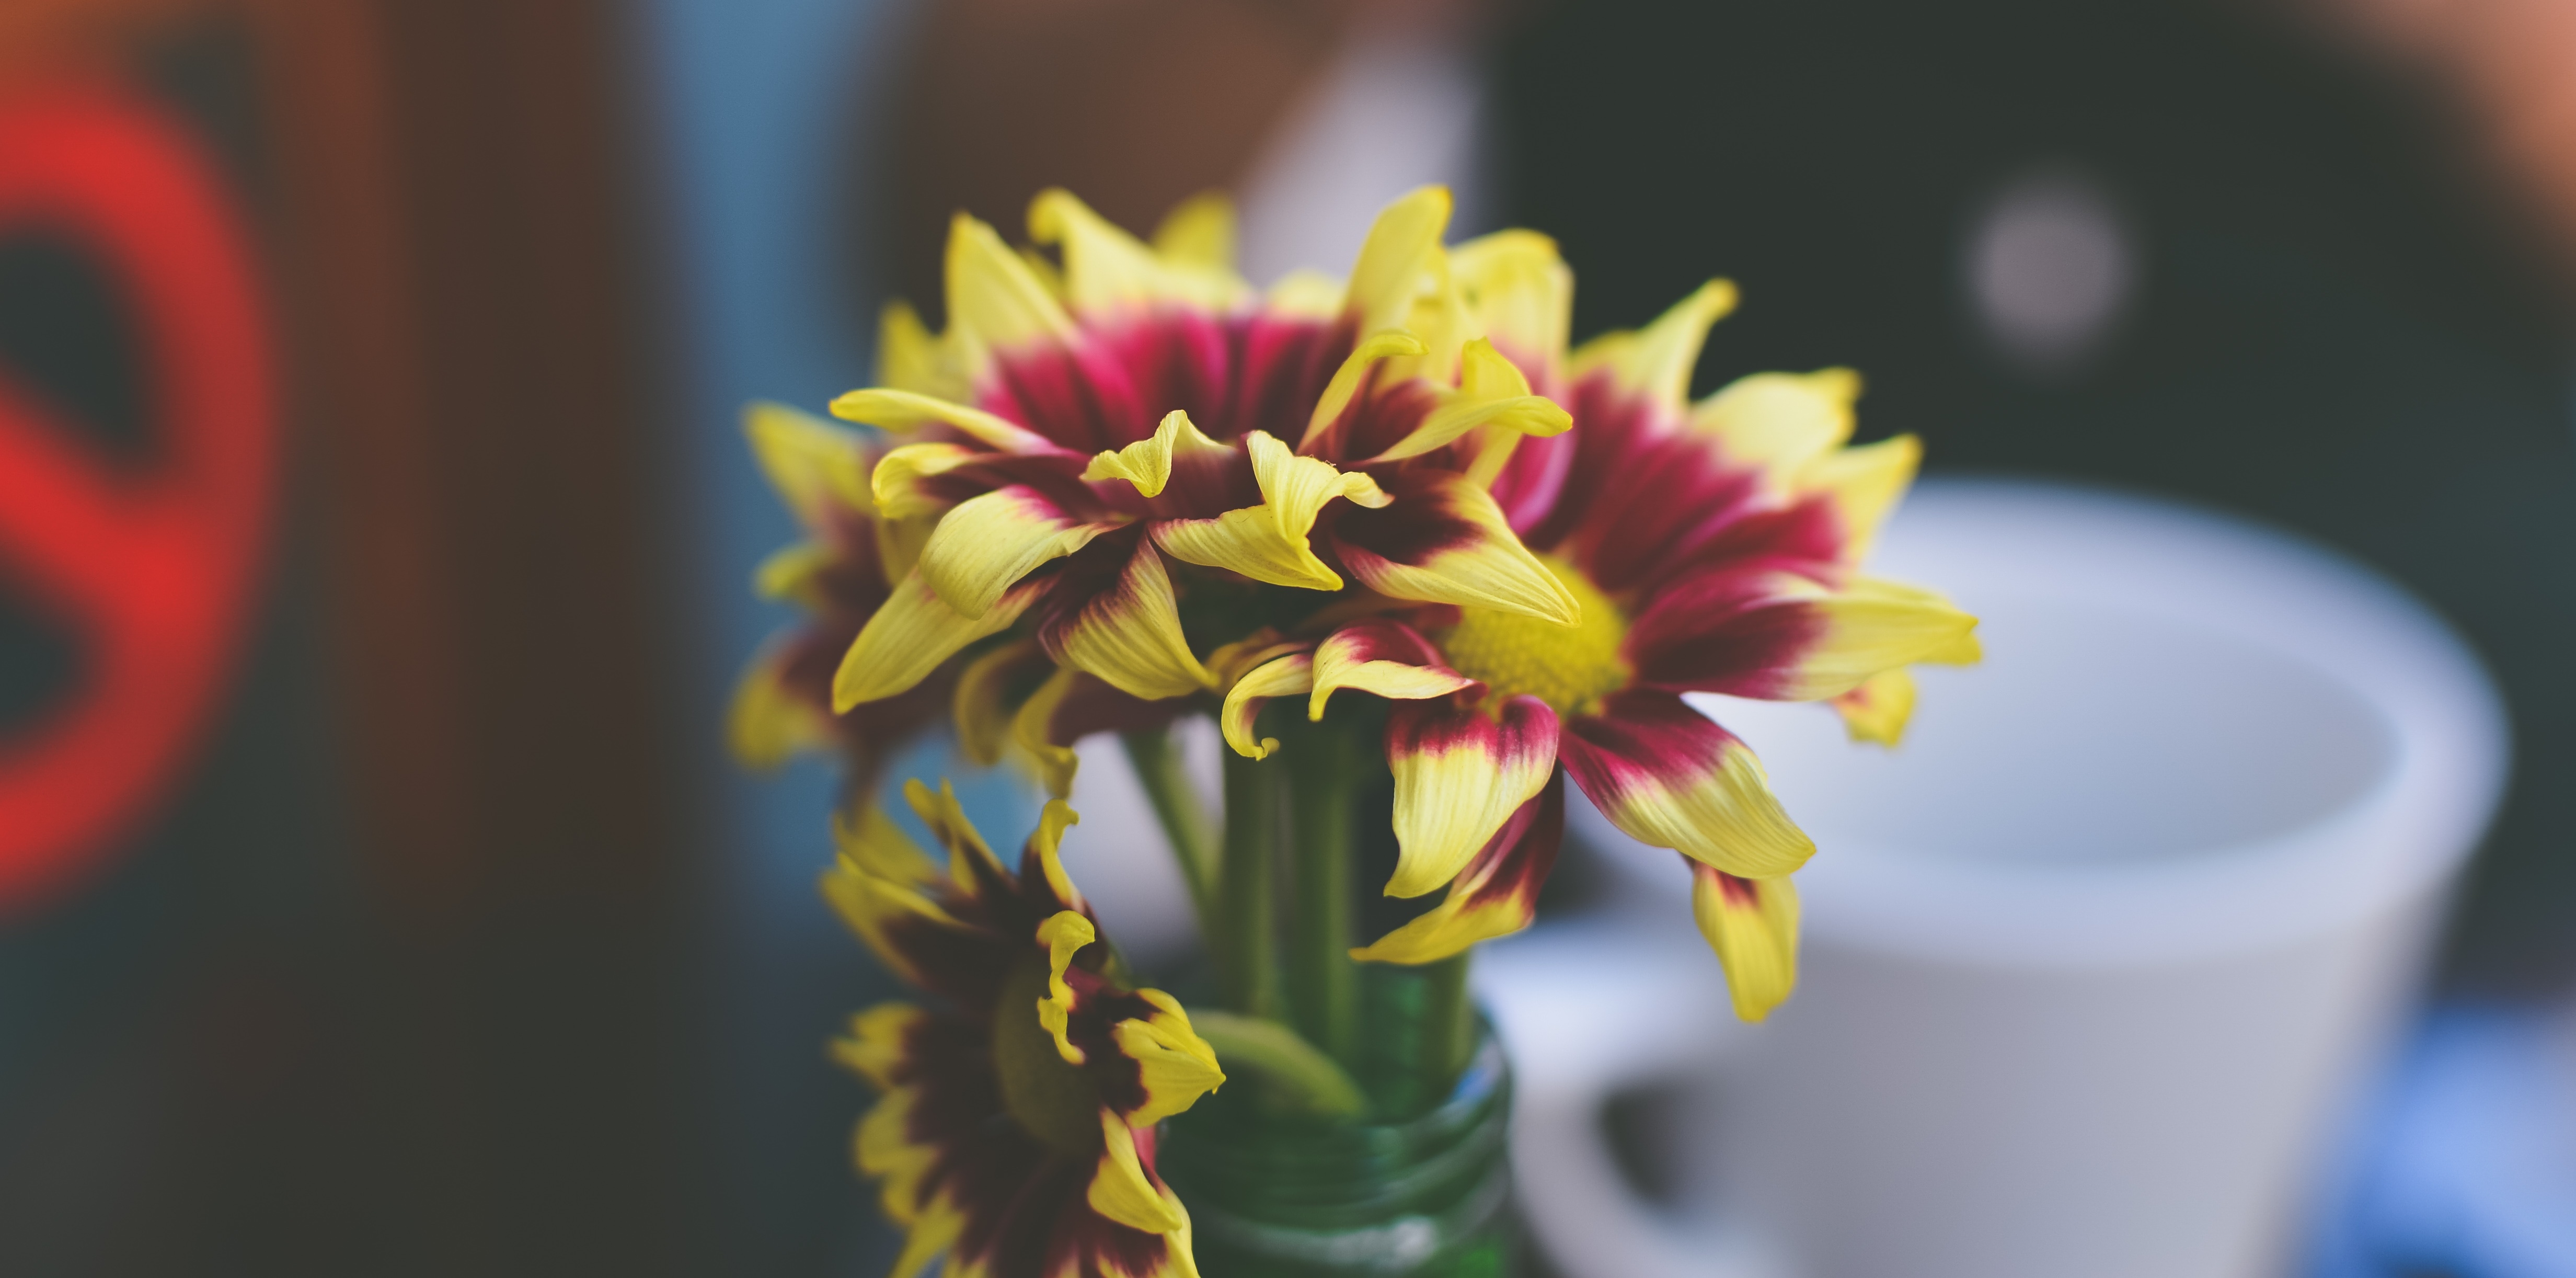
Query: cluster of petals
point(1015, 1128)
point(1133, 487)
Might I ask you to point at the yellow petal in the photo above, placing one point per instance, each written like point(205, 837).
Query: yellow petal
point(1385, 344)
point(871, 842)
point(1475, 560)
point(877, 1041)
point(899, 543)
point(1055, 763)
point(1107, 270)
point(1199, 231)
point(1305, 294)
point(1878, 709)
point(1176, 1065)
point(1865, 484)
point(1458, 777)
point(1873, 625)
point(1381, 658)
point(1393, 260)
point(1285, 676)
point(766, 725)
point(970, 859)
point(902, 410)
point(987, 543)
point(808, 460)
point(791, 573)
point(896, 484)
point(1269, 542)
point(1753, 926)
point(1712, 804)
point(1147, 463)
point(1130, 635)
point(910, 635)
point(981, 707)
point(1064, 934)
point(1119, 1189)
point(1520, 292)
point(1657, 360)
point(1493, 393)
point(909, 358)
point(1781, 422)
point(875, 907)
point(994, 299)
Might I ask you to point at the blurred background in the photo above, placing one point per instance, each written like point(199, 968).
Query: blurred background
point(375, 894)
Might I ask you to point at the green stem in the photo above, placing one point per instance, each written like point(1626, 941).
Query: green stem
point(1448, 1023)
point(1301, 1078)
point(1184, 818)
point(1245, 941)
point(1323, 981)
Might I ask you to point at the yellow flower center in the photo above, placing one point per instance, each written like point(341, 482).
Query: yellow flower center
point(1569, 667)
point(1056, 1102)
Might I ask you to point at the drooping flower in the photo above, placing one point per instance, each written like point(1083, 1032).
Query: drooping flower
point(1713, 548)
point(1016, 1128)
point(1135, 427)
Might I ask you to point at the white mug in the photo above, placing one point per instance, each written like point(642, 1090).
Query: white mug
point(2091, 962)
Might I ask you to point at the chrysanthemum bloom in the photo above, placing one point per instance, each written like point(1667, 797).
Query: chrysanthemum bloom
point(1016, 1129)
point(1138, 425)
point(839, 576)
point(1711, 548)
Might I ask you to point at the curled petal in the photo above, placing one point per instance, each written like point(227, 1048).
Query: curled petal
point(1383, 657)
point(1045, 854)
point(1173, 1064)
point(1460, 773)
point(1865, 484)
point(1129, 633)
point(1780, 422)
point(900, 411)
point(1347, 379)
point(1122, 1190)
point(1668, 777)
point(872, 843)
point(1443, 540)
point(986, 544)
point(902, 925)
point(983, 707)
point(1492, 393)
point(1063, 935)
point(1395, 258)
point(812, 463)
point(1657, 360)
point(994, 299)
point(1269, 542)
point(909, 358)
point(911, 635)
point(900, 485)
point(971, 863)
point(1148, 462)
point(1034, 731)
point(1286, 676)
point(1496, 895)
point(1199, 232)
point(1878, 709)
point(1753, 926)
point(1072, 705)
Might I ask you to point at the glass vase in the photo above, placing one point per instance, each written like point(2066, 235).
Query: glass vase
point(1282, 1195)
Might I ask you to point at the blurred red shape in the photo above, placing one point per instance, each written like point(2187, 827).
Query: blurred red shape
point(152, 569)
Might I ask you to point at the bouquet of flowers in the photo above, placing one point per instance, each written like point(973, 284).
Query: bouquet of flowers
point(1129, 488)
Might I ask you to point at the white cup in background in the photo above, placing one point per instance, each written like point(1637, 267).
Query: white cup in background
point(2091, 962)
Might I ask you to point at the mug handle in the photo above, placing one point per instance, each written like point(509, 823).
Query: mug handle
point(1588, 1007)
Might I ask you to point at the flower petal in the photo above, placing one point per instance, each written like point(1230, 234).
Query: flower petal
point(983, 703)
point(1072, 705)
point(1878, 709)
point(1668, 777)
point(1443, 540)
point(873, 843)
point(1128, 632)
point(1384, 657)
point(812, 463)
point(1199, 231)
point(900, 485)
point(1780, 422)
point(994, 299)
point(1496, 895)
point(1460, 773)
point(1269, 542)
point(1657, 360)
point(876, 1048)
point(1033, 730)
point(1865, 484)
point(911, 635)
point(909, 358)
point(767, 724)
point(1107, 270)
point(1148, 462)
point(1753, 926)
point(1063, 934)
point(1786, 637)
point(1285, 676)
point(1393, 260)
point(1521, 293)
point(1122, 1190)
point(1347, 379)
point(971, 863)
point(1175, 1065)
point(986, 544)
point(901, 410)
point(1491, 392)
point(905, 927)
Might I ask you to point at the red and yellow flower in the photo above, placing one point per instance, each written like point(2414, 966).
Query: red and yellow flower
point(1713, 547)
point(1016, 1129)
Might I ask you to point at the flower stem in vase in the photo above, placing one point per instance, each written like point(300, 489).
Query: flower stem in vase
point(1245, 940)
point(1324, 767)
point(1184, 818)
